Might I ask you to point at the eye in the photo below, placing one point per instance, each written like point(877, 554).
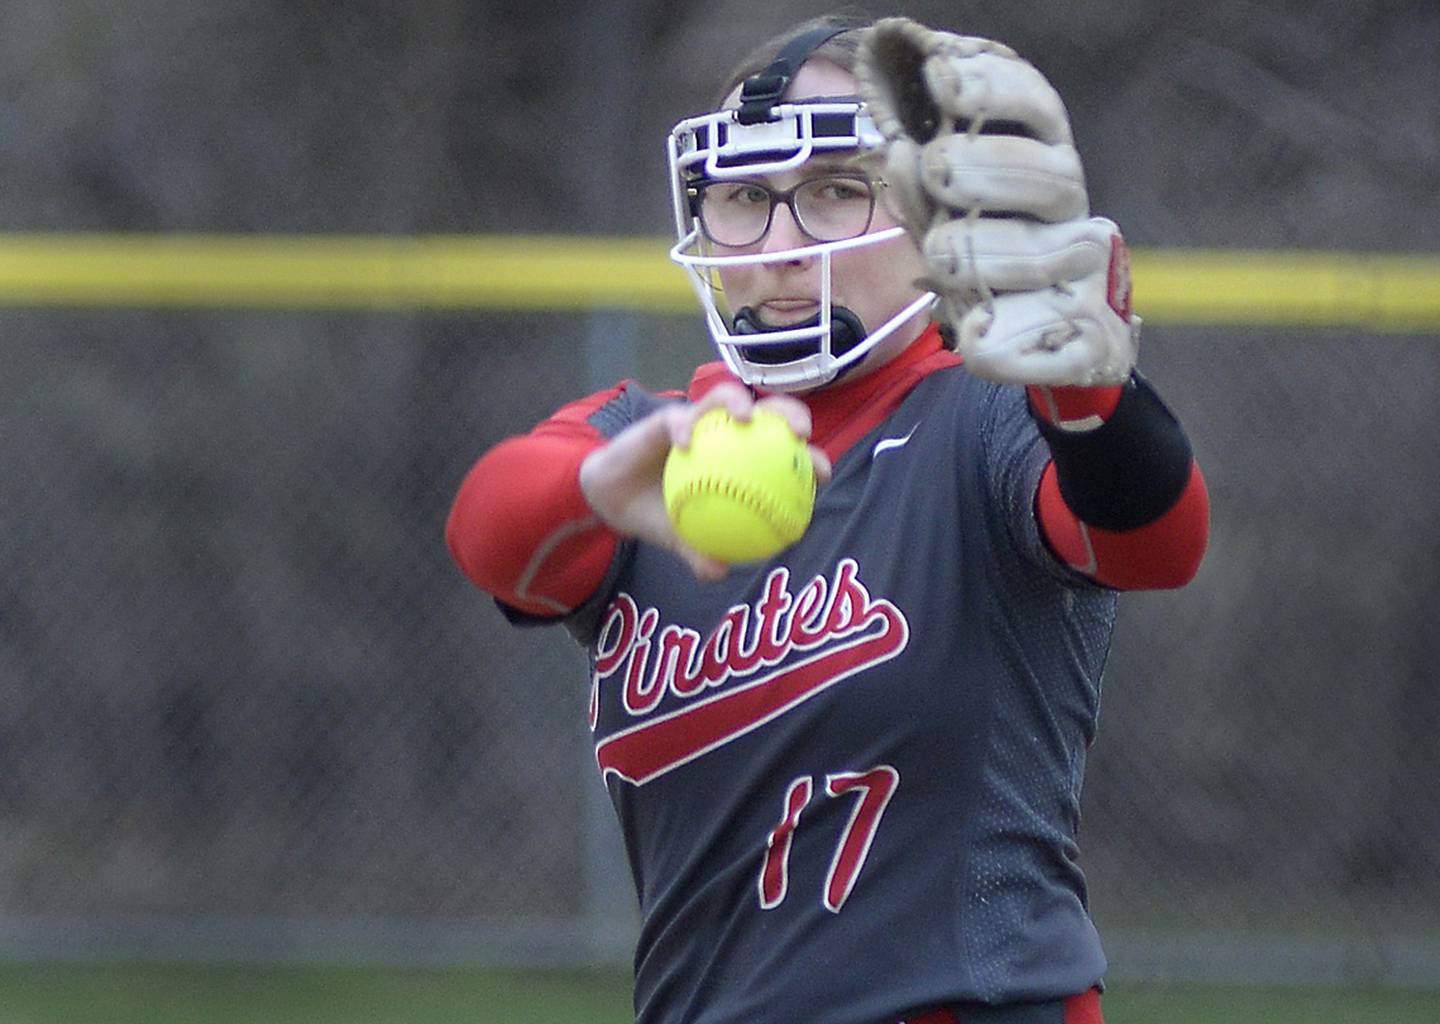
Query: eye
point(842, 190)
point(740, 193)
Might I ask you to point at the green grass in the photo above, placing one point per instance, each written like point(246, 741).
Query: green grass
point(1190, 1004)
point(145, 994)
point(142, 994)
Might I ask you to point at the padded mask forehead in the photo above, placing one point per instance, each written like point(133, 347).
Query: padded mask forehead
point(714, 144)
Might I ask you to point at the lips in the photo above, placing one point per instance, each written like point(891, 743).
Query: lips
point(788, 310)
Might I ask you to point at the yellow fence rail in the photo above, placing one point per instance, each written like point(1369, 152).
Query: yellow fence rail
point(1375, 292)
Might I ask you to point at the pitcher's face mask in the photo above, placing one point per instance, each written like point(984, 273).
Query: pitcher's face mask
point(724, 205)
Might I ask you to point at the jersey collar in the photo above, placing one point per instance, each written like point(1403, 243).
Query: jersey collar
point(843, 413)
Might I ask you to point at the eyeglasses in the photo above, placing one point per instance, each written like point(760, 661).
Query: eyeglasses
point(828, 209)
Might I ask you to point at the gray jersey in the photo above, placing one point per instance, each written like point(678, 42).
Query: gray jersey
point(849, 778)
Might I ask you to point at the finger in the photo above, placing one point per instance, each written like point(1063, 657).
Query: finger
point(997, 89)
point(1048, 338)
point(824, 471)
point(1020, 345)
point(643, 443)
point(996, 173)
point(903, 196)
point(794, 412)
point(890, 69)
point(1016, 255)
point(731, 397)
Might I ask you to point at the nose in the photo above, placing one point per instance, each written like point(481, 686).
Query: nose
point(784, 232)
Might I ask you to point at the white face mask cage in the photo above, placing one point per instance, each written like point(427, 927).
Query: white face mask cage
point(719, 147)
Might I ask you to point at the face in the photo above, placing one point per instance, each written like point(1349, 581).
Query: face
point(875, 282)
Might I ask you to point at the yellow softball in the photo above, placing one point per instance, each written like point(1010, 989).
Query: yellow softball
point(742, 490)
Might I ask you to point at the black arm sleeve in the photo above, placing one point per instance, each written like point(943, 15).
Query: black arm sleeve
point(1130, 470)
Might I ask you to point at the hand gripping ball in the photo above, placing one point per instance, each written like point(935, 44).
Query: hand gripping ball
point(742, 490)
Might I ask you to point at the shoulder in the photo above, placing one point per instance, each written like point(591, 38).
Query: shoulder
point(610, 411)
point(629, 400)
point(988, 429)
point(981, 404)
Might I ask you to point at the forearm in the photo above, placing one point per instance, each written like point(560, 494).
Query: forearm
point(520, 527)
point(1123, 500)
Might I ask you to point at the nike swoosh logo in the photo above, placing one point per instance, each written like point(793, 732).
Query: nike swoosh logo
point(892, 442)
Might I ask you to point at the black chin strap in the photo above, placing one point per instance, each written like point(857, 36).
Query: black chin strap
point(760, 93)
point(846, 331)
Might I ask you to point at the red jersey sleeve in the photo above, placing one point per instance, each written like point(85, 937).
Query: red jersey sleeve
point(520, 527)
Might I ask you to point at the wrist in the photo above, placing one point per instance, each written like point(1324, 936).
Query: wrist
point(1074, 409)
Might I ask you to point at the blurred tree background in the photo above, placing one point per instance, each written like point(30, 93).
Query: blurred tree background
point(246, 703)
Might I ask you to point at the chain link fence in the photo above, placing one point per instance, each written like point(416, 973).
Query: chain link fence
point(249, 709)
point(1266, 734)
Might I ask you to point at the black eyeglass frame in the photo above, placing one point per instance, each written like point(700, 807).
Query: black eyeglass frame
point(777, 197)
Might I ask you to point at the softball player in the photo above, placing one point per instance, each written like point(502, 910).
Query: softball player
point(849, 777)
